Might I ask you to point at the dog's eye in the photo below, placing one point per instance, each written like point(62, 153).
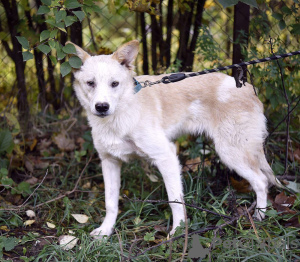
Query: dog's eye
point(114, 83)
point(91, 83)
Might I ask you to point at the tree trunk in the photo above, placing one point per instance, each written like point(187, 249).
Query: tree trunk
point(11, 11)
point(197, 24)
point(144, 42)
point(240, 33)
point(167, 50)
point(38, 57)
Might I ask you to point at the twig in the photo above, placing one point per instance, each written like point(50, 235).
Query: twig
point(274, 129)
point(132, 245)
point(176, 202)
point(35, 189)
point(70, 192)
point(24, 203)
point(203, 230)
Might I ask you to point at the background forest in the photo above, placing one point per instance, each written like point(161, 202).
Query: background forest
point(47, 160)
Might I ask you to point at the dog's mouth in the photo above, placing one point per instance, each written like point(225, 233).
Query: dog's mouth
point(102, 115)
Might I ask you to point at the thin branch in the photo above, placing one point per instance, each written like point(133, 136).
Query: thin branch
point(35, 189)
point(274, 129)
point(70, 192)
point(203, 230)
point(176, 202)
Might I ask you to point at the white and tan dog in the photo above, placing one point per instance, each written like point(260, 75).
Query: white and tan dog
point(125, 124)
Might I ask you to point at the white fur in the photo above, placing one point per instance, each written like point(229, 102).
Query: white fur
point(144, 124)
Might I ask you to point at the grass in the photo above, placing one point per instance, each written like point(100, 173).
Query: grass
point(142, 227)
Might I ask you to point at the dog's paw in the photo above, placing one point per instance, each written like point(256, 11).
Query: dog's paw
point(258, 215)
point(101, 233)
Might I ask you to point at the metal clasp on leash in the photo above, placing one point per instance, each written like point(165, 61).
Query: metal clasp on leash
point(173, 78)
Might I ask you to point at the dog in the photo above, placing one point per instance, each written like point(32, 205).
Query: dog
point(126, 124)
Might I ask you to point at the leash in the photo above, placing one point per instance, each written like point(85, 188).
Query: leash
point(180, 76)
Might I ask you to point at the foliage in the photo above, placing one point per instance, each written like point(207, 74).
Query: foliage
point(143, 225)
point(60, 15)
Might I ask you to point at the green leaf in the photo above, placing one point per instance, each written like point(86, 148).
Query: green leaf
point(69, 49)
point(44, 35)
point(46, 2)
point(227, 3)
point(60, 54)
point(286, 10)
point(44, 48)
point(52, 44)
point(149, 237)
point(3, 171)
point(69, 20)
point(27, 56)
point(10, 243)
point(24, 188)
point(80, 15)
point(23, 41)
point(282, 24)
point(75, 62)
point(43, 10)
point(60, 15)
point(250, 2)
point(295, 29)
point(71, 4)
point(15, 221)
point(65, 69)
point(7, 182)
point(277, 16)
point(6, 141)
point(53, 33)
point(61, 26)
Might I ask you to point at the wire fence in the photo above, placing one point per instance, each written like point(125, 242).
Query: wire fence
point(162, 37)
point(103, 33)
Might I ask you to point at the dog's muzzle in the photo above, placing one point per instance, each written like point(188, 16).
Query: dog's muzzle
point(102, 109)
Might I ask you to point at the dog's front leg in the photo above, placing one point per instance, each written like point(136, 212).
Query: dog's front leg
point(111, 170)
point(170, 169)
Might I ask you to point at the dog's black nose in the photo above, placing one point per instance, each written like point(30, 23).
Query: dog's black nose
point(102, 107)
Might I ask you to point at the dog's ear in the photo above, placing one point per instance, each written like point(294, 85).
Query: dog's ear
point(80, 52)
point(127, 53)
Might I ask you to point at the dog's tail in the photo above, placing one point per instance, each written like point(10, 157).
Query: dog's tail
point(268, 172)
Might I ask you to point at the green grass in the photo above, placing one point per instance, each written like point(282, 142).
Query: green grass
point(142, 226)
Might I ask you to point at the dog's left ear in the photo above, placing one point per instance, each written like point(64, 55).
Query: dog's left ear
point(127, 53)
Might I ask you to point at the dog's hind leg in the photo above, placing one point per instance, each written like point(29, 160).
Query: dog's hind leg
point(248, 166)
point(111, 170)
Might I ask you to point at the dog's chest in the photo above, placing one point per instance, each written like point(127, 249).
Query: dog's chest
point(121, 148)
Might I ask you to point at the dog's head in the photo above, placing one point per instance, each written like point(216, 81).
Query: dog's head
point(104, 82)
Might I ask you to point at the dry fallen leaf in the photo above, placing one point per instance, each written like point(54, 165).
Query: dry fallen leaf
point(32, 181)
point(64, 143)
point(29, 222)
point(153, 178)
point(29, 165)
point(242, 186)
point(67, 242)
point(80, 218)
point(192, 165)
point(4, 228)
point(50, 225)
point(30, 213)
